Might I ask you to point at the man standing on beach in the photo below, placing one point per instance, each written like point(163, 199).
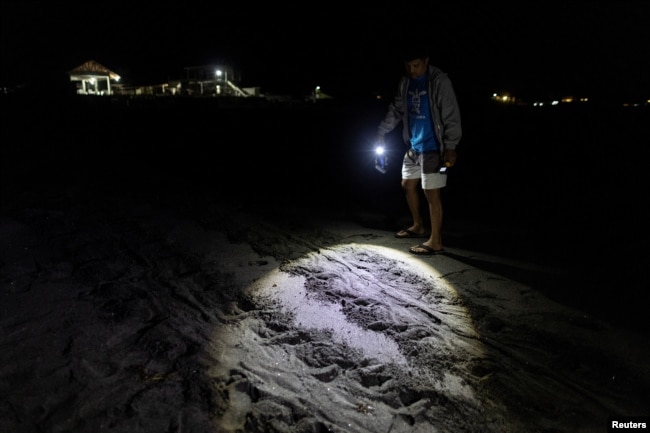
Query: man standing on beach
point(425, 103)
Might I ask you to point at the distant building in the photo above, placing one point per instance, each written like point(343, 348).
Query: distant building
point(93, 78)
point(209, 80)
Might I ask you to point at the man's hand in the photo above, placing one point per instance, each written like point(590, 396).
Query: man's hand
point(449, 157)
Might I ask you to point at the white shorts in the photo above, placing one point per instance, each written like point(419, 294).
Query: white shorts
point(414, 170)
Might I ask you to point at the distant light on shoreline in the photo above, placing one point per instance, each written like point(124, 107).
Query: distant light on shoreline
point(509, 99)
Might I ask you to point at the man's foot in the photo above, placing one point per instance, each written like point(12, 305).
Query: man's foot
point(407, 233)
point(425, 250)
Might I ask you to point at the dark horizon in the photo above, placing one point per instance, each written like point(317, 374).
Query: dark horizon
point(564, 48)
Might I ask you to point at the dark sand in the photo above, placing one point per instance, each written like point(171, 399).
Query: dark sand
point(187, 266)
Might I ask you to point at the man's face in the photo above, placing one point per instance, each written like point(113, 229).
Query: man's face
point(416, 68)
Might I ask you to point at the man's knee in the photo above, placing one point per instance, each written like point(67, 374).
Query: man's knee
point(433, 195)
point(410, 184)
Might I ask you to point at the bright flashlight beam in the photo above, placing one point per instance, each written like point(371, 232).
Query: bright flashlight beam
point(380, 160)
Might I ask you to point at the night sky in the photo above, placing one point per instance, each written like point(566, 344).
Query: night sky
point(526, 48)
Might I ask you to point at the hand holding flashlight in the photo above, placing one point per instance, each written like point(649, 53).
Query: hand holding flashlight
point(380, 158)
point(380, 155)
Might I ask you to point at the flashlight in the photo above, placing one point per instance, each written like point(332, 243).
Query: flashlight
point(380, 159)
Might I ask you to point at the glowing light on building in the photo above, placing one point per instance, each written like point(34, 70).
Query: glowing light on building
point(504, 98)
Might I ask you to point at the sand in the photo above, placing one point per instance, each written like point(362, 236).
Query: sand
point(139, 307)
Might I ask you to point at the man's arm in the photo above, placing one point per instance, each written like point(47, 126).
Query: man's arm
point(449, 115)
point(393, 115)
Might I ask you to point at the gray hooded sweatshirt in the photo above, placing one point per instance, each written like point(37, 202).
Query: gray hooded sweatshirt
point(444, 110)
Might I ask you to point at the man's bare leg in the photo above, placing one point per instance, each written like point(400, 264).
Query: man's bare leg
point(435, 214)
point(411, 189)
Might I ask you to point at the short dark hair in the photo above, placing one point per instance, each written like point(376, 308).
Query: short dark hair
point(414, 51)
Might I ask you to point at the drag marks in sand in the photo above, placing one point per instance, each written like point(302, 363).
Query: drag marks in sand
point(350, 339)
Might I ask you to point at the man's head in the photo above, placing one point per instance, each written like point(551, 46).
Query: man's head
point(417, 67)
point(416, 61)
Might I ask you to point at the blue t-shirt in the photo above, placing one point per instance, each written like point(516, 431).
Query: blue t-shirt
point(423, 137)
